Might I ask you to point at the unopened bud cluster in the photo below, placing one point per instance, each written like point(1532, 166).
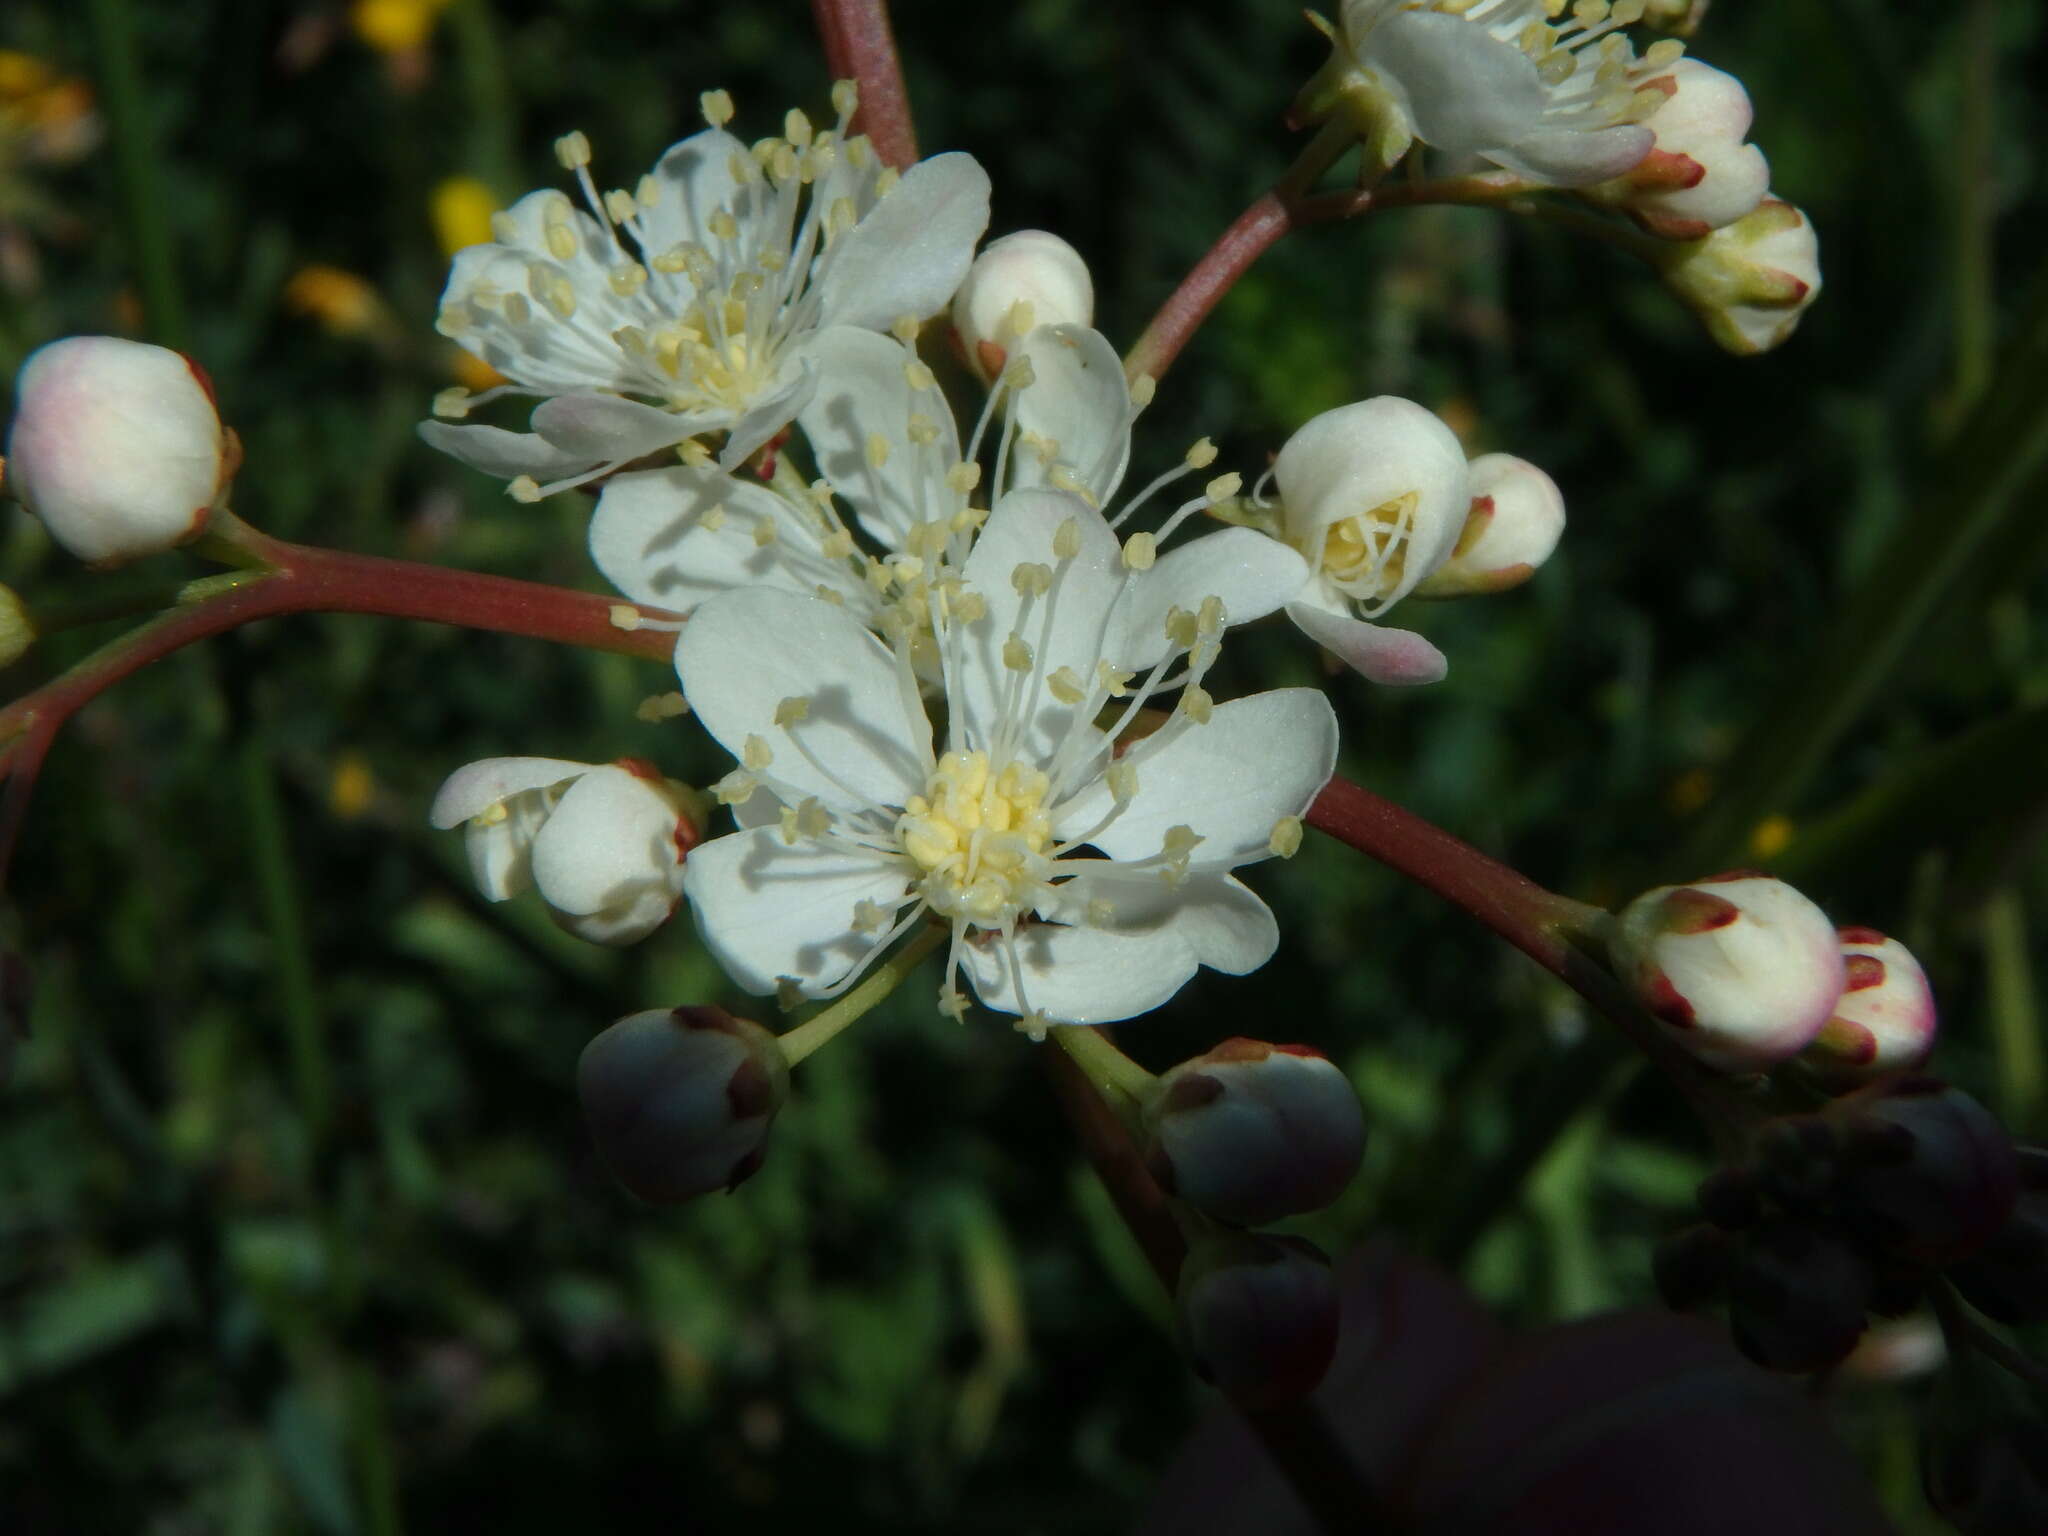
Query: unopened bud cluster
point(1850, 1211)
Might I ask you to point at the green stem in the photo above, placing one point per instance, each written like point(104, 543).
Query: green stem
point(291, 959)
point(820, 1027)
point(1114, 1075)
point(2014, 1008)
point(140, 172)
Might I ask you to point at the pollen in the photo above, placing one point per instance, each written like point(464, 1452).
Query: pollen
point(1140, 551)
point(756, 754)
point(716, 107)
point(792, 710)
point(1285, 840)
point(978, 836)
point(1201, 455)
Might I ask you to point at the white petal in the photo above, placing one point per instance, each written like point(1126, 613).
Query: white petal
point(1227, 926)
point(769, 414)
point(610, 842)
point(912, 249)
point(743, 653)
point(503, 455)
point(1568, 157)
point(605, 429)
point(1468, 91)
point(1080, 404)
point(1397, 657)
point(769, 910)
point(1253, 574)
point(1021, 529)
point(693, 181)
point(657, 537)
point(1257, 761)
point(863, 394)
point(475, 787)
point(1083, 975)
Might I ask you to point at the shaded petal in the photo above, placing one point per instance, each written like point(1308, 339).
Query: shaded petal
point(694, 180)
point(1253, 574)
point(611, 839)
point(605, 429)
point(1087, 975)
point(1080, 404)
point(769, 414)
point(503, 455)
point(911, 250)
point(475, 787)
point(769, 910)
point(1257, 761)
point(1568, 157)
point(863, 394)
point(656, 538)
point(1398, 657)
point(743, 653)
point(1021, 529)
point(1468, 92)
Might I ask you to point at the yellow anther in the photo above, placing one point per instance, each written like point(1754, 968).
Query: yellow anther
point(922, 430)
point(845, 98)
point(627, 278)
point(716, 107)
point(877, 450)
point(1019, 374)
point(647, 191)
point(1181, 627)
point(886, 182)
point(1066, 539)
point(1140, 551)
point(573, 150)
point(697, 456)
point(1223, 487)
point(1114, 681)
point(662, 706)
point(812, 819)
point(1201, 455)
point(756, 754)
point(1209, 617)
point(797, 128)
point(1018, 320)
point(837, 546)
point(523, 488)
point(517, 310)
point(1664, 53)
point(917, 376)
point(736, 788)
point(1121, 778)
point(952, 1004)
point(452, 403)
point(1143, 388)
point(1031, 579)
point(1285, 840)
point(765, 532)
point(1066, 686)
point(869, 917)
point(1179, 842)
point(1033, 1026)
point(624, 616)
point(619, 205)
point(723, 226)
point(1016, 654)
point(969, 608)
point(961, 479)
point(791, 710)
point(1196, 704)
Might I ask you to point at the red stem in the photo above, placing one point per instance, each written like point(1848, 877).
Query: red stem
point(860, 47)
point(1257, 230)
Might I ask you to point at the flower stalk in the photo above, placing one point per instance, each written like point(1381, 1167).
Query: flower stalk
point(860, 46)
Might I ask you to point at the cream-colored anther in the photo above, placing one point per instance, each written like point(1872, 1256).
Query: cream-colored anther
point(627, 278)
point(961, 479)
point(661, 706)
point(1143, 388)
point(736, 788)
point(1019, 320)
point(1182, 628)
point(1285, 840)
point(886, 182)
point(1223, 487)
point(1201, 455)
point(765, 532)
point(970, 608)
point(716, 107)
point(523, 488)
point(791, 710)
point(922, 430)
point(1113, 681)
point(572, 149)
point(452, 404)
point(1016, 654)
point(1066, 686)
point(1121, 779)
point(1196, 704)
point(918, 376)
point(845, 98)
point(1141, 551)
point(869, 917)
point(619, 205)
point(1019, 374)
point(1031, 579)
point(756, 755)
point(647, 191)
point(624, 616)
point(877, 451)
point(1209, 616)
point(515, 309)
point(796, 128)
point(953, 1004)
point(1066, 539)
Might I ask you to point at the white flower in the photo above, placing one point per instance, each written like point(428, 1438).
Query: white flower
point(1554, 100)
point(1516, 519)
point(115, 446)
point(694, 304)
point(1373, 496)
point(1018, 283)
point(1743, 969)
point(602, 843)
point(1700, 175)
point(1885, 1019)
point(1749, 282)
point(855, 828)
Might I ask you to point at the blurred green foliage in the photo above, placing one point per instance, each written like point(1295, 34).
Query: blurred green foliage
point(298, 1227)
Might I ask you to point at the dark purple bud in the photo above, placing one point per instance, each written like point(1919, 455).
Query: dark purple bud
point(1691, 1267)
point(1258, 1316)
point(679, 1101)
point(1939, 1199)
point(2008, 1277)
point(1796, 1297)
point(1250, 1132)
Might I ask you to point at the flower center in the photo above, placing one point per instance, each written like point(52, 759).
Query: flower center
point(1366, 555)
point(978, 835)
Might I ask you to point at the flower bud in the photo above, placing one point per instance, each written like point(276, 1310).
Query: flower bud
point(2008, 1277)
point(1938, 1178)
point(1515, 521)
point(1251, 1133)
point(1796, 1297)
point(1374, 496)
point(604, 844)
point(1743, 968)
point(1884, 1020)
point(1750, 281)
point(679, 1100)
point(116, 446)
point(1017, 284)
point(1700, 175)
point(1258, 1316)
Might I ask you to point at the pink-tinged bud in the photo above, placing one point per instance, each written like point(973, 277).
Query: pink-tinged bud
point(1017, 284)
point(1750, 281)
point(1884, 1021)
point(679, 1100)
point(1742, 968)
point(1250, 1133)
point(116, 447)
point(1936, 1176)
point(1515, 521)
point(1258, 1316)
point(1797, 1297)
point(2008, 1277)
point(1700, 175)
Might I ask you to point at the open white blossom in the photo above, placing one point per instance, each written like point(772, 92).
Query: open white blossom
point(695, 303)
point(1548, 93)
point(603, 843)
point(1084, 872)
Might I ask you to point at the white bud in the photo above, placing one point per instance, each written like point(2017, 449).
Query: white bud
point(1258, 1316)
point(1516, 519)
point(1033, 268)
point(1700, 175)
point(1750, 281)
point(679, 1101)
point(116, 446)
point(1885, 1019)
point(1250, 1132)
point(1374, 496)
point(1743, 969)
